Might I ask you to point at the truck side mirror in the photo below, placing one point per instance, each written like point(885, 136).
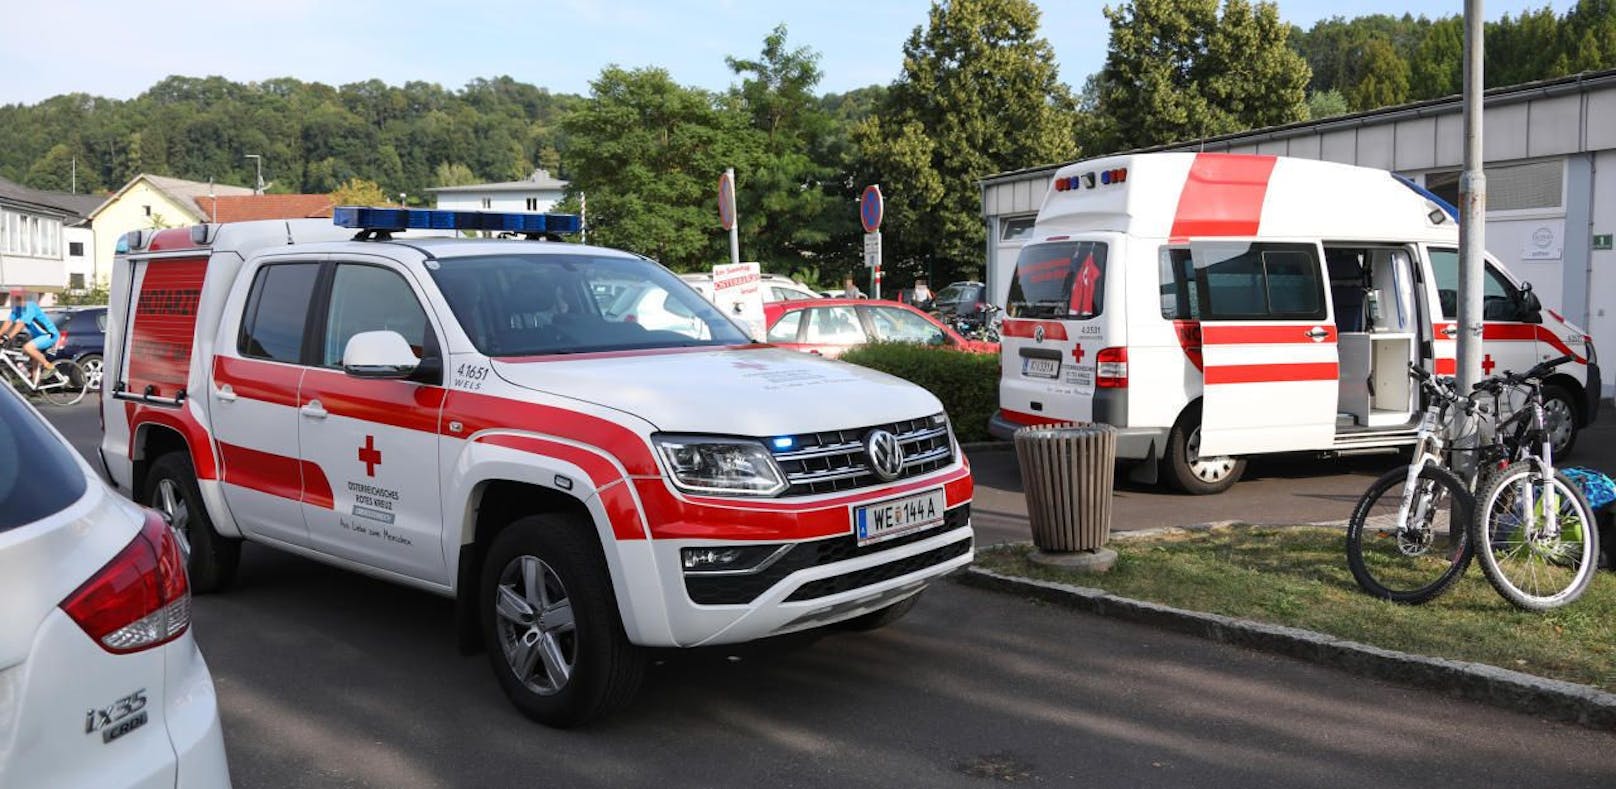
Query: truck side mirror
point(1531, 309)
point(378, 354)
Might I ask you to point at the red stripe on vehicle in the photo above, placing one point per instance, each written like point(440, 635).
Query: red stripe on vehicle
point(394, 403)
point(1053, 330)
point(1216, 334)
point(1223, 195)
point(179, 420)
point(170, 240)
point(621, 510)
point(1528, 331)
point(478, 412)
point(1272, 373)
point(1189, 339)
point(1447, 366)
point(268, 382)
point(1023, 418)
point(277, 475)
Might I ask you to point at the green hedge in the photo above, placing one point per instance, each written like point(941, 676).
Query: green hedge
point(967, 383)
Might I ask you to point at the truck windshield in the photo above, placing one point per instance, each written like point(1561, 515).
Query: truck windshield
point(536, 305)
point(1063, 279)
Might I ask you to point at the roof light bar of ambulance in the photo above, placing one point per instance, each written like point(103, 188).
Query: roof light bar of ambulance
point(397, 219)
point(1111, 368)
point(1072, 183)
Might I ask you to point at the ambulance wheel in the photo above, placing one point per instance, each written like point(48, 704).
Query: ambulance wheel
point(1560, 418)
point(211, 558)
point(1187, 470)
point(550, 623)
point(881, 617)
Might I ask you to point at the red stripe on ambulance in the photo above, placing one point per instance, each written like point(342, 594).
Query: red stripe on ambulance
point(1223, 196)
point(277, 475)
point(1272, 373)
point(1053, 330)
point(1216, 334)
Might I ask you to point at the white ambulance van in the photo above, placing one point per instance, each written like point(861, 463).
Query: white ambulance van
point(469, 417)
point(1215, 306)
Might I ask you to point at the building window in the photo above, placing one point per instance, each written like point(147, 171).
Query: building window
point(75, 248)
point(1018, 229)
point(148, 209)
point(75, 282)
point(1533, 186)
point(488, 203)
point(533, 204)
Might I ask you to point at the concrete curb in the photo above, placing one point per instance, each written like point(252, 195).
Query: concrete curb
point(1512, 690)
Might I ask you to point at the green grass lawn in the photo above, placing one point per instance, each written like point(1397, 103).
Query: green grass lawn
point(1298, 577)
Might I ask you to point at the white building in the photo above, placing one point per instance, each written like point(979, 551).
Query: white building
point(537, 194)
point(45, 243)
point(1550, 151)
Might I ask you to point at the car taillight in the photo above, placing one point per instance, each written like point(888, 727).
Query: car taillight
point(139, 600)
point(1111, 368)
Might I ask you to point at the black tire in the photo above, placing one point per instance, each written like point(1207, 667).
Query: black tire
point(1414, 562)
point(1186, 470)
point(1560, 413)
point(66, 390)
point(881, 617)
point(1533, 572)
point(91, 364)
point(211, 558)
point(605, 670)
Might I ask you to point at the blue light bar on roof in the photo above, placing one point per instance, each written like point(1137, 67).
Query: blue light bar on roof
point(395, 219)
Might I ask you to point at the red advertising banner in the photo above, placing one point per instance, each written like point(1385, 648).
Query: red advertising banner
point(164, 326)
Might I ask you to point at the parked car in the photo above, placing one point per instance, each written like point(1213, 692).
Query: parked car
point(776, 287)
point(84, 338)
point(959, 299)
point(101, 683)
point(827, 327)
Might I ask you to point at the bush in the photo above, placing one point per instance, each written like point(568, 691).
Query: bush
point(967, 383)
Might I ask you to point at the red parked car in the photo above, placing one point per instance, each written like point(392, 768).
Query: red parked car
point(827, 327)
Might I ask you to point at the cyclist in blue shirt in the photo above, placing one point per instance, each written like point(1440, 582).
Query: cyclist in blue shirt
point(43, 334)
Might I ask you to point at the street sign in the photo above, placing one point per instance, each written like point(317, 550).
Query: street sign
point(726, 200)
point(870, 208)
point(872, 250)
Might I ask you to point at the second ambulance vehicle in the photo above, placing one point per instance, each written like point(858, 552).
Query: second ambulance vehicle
point(466, 416)
point(1214, 306)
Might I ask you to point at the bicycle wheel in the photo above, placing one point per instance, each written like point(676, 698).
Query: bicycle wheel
point(1529, 565)
point(64, 386)
point(1409, 545)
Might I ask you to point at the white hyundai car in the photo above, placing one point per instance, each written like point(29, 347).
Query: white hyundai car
point(101, 683)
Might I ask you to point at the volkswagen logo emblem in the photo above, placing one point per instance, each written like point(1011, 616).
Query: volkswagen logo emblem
point(886, 456)
point(1038, 333)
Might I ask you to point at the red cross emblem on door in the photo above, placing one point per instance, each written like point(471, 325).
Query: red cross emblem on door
point(370, 456)
point(1487, 364)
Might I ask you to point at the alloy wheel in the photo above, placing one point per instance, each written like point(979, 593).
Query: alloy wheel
point(535, 625)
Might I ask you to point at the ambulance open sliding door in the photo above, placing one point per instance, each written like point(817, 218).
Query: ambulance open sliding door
point(1271, 363)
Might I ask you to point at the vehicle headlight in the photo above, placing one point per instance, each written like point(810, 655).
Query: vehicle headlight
point(728, 466)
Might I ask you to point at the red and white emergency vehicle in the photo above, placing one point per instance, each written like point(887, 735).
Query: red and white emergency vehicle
point(1213, 306)
point(465, 417)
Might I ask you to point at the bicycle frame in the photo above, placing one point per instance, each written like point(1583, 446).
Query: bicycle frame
point(17, 362)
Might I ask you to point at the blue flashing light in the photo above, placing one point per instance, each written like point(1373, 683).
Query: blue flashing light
point(397, 219)
point(784, 442)
point(1447, 207)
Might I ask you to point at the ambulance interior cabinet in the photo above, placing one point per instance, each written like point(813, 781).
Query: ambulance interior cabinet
point(1374, 388)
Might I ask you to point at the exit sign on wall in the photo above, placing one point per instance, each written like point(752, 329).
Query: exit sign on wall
point(1602, 241)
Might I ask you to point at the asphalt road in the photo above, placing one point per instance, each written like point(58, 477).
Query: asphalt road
point(327, 678)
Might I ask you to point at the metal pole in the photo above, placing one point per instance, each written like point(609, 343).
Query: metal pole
point(1472, 205)
point(735, 220)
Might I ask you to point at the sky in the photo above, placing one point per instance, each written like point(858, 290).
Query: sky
point(119, 48)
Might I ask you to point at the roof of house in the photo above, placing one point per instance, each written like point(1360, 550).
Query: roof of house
point(71, 205)
point(188, 194)
point(242, 208)
point(540, 180)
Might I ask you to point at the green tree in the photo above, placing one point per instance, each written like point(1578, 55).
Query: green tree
point(649, 152)
point(1587, 37)
point(1437, 66)
point(1178, 69)
point(979, 93)
point(358, 191)
point(453, 174)
point(1326, 104)
point(1382, 78)
point(787, 208)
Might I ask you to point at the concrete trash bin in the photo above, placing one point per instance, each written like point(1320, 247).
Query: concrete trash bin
point(1067, 471)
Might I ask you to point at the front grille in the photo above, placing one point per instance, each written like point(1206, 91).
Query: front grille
point(835, 460)
point(741, 589)
point(825, 587)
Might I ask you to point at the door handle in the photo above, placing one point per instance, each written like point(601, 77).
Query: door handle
point(226, 393)
point(1450, 331)
point(314, 410)
point(1317, 333)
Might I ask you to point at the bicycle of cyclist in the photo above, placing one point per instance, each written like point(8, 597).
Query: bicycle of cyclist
point(1534, 530)
point(64, 383)
point(42, 332)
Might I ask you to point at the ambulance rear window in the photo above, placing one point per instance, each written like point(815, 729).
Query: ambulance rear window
point(1064, 279)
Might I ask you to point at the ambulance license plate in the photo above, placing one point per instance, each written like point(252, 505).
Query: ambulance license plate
point(1034, 367)
point(894, 517)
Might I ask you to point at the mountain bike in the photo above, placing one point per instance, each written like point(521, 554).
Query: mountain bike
point(63, 384)
point(1534, 531)
point(1408, 539)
